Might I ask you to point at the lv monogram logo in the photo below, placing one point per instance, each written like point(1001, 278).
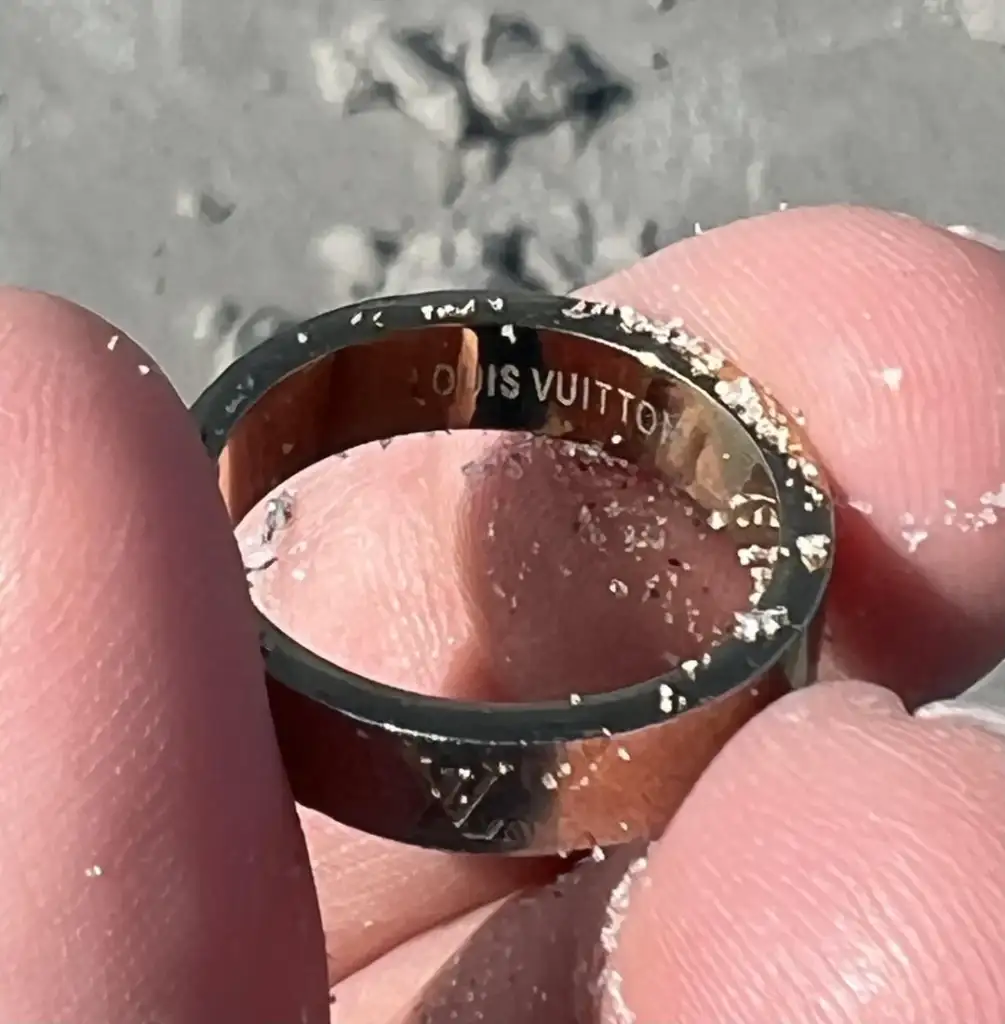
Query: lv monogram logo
point(459, 792)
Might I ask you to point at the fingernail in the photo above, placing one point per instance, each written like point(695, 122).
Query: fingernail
point(969, 712)
point(977, 236)
point(982, 704)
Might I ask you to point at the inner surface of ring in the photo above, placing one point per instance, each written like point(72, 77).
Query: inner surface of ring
point(638, 494)
point(390, 758)
point(549, 383)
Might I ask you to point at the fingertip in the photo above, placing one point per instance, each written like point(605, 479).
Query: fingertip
point(886, 333)
point(159, 871)
point(838, 853)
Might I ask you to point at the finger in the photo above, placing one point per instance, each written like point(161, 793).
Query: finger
point(153, 867)
point(793, 888)
point(376, 894)
point(888, 333)
point(816, 304)
point(387, 991)
point(639, 561)
point(537, 957)
point(788, 889)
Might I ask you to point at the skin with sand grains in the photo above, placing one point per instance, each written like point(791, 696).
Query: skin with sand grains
point(841, 861)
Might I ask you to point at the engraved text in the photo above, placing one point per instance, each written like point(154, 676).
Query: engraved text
point(566, 388)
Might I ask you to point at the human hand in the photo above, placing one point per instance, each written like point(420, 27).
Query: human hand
point(839, 862)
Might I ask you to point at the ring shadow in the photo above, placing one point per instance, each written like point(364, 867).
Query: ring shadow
point(586, 575)
point(883, 621)
point(540, 958)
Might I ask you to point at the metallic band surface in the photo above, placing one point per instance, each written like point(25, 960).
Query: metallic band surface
point(552, 777)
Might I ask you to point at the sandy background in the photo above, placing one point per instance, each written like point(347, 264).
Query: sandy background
point(199, 171)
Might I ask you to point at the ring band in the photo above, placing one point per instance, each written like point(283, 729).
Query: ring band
point(559, 776)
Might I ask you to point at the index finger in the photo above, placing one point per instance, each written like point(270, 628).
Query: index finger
point(153, 868)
